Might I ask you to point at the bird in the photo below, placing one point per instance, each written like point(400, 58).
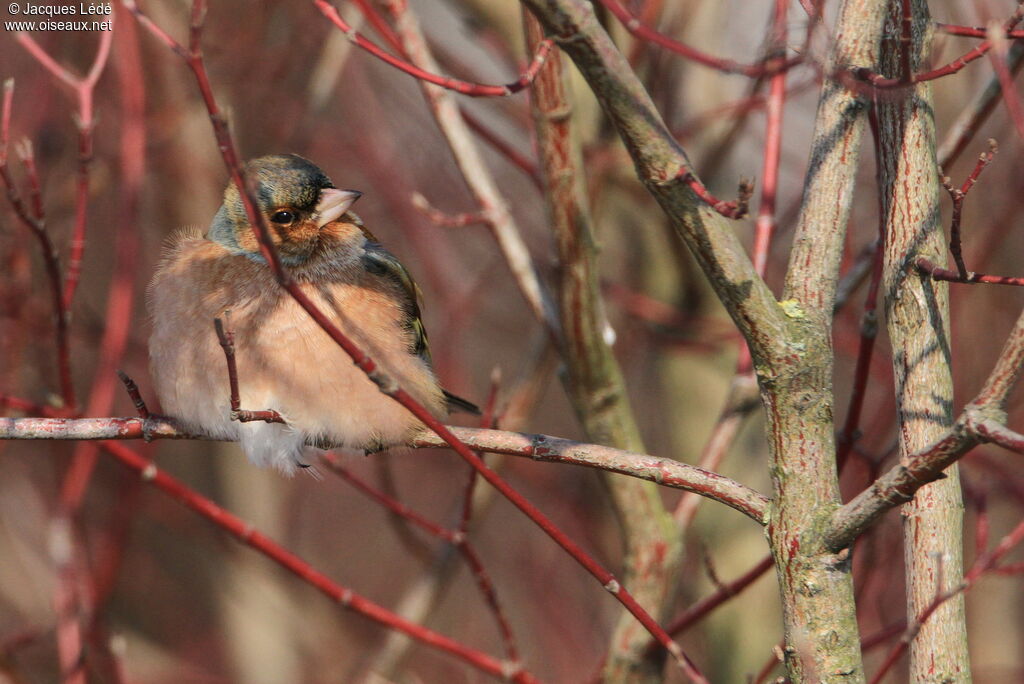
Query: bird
point(285, 361)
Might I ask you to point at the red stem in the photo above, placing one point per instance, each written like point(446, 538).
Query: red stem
point(463, 87)
point(457, 538)
point(868, 333)
point(928, 268)
point(698, 611)
point(643, 32)
point(765, 224)
point(972, 31)
point(83, 88)
point(245, 533)
point(35, 220)
point(880, 82)
point(126, 264)
point(1011, 96)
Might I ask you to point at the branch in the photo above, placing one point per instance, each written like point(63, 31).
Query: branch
point(906, 79)
point(728, 66)
point(463, 87)
point(34, 218)
point(977, 111)
point(663, 167)
point(246, 534)
point(664, 471)
point(83, 88)
point(479, 180)
point(593, 378)
point(982, 420)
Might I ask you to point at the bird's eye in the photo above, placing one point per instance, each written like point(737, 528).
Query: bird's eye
point(284, 217)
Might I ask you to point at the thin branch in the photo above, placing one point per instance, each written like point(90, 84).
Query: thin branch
point(227, 342)
point(344, 596)
point(34, 218)
point(735, 209)
point(926, 267)
point(701, 609)
point(982, 420)
point(880, 82)
point(977, 112)
point(463, 87)
point(957, 195)
point(83, 88)
point(439, 218)
point(664, 471)
point(477, 176)
point(456, 538)
point(641, 31)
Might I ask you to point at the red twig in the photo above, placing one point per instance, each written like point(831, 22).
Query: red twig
point(985, 563)
point(861, 374)
point(227, 342)
point(463, 87)
point(765, 224)
point(1011, 96)
point(643, 32)
point(456, 538)
point(83, 88)
point(246, 534)
point(734, 210)
point(34, 219)
point(119, 310)
point(957, 195)
point(439, 218)
point(384, 382)
point(972, 31)
point(698, 611)
point(938, 273)
point(882, 83)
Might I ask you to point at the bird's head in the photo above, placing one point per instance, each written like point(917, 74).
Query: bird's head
point(297, 200)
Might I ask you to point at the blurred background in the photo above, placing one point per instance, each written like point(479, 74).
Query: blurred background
point(177, 600)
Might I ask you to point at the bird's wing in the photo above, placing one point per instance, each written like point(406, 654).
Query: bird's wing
point(380, 261)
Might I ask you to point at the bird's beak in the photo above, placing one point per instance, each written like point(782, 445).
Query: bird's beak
point(333, 203)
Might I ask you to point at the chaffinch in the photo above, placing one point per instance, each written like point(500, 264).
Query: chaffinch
point(285, 361)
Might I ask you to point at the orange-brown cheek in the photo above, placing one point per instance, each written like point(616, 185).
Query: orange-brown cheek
point(283, 237)
point(300, 234)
